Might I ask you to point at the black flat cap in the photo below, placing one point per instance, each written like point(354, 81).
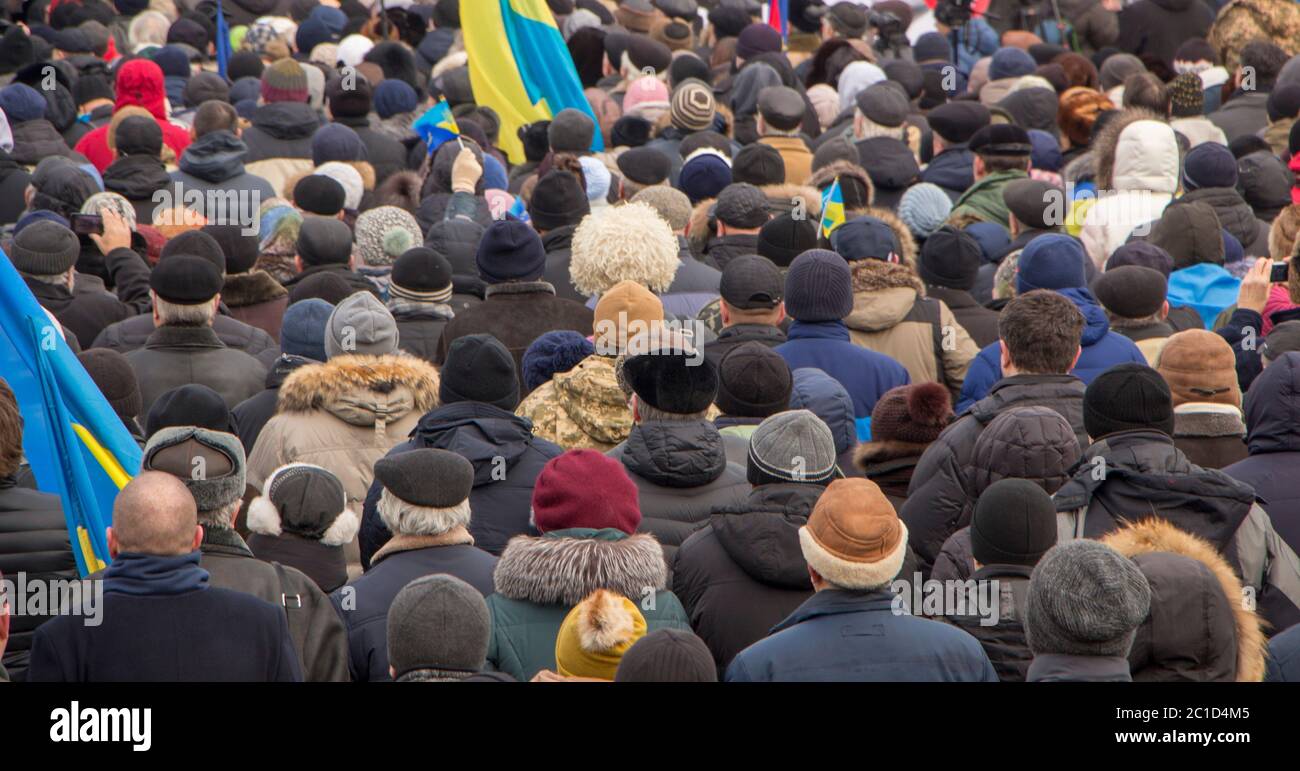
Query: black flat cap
point(782, 107)
point(438, 479)
point(184, 279)
point(750, 282)
point(645, 166)
point(1001, 139)
point(1034, 202)
point(886, 104)
point(758, 164)
point(957, 122)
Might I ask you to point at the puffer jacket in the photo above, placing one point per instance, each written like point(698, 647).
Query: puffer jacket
point(139, 82)
point(33, 542)
point(279, 143)
point(487, 436)
point(345, 414)
point(892, 315)
point(1003, 640)
point(1273, 440)
point(1102, 349)
point(1137, 161)
point(37, 139)
point(1199, 629)
point(938, 496)
point(1235, 216)
point(363, 604)
point(744, 571)
point(1146, 476)
point(681, 471)
point(823, 396)
point(583, 408)
point(539, 579)
point(318, 634)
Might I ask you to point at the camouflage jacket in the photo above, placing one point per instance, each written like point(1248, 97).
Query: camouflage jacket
point(581, 408)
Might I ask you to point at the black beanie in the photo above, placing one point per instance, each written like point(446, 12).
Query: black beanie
point(1014, 523)
point(478, 368)
point(557, 201)
point(319, 194)
point(950, 258)
point(239, 248)
point(753, 382)
point(1127, 397)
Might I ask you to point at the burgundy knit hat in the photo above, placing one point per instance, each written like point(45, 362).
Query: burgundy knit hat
point(913, 413)
point(584, 488)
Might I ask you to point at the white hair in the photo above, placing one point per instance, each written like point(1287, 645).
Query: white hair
point(222, 518)
point(408, 519)
point(148, 28)
point(175, 315)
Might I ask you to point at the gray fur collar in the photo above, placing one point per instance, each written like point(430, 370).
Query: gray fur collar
point(563, 571)
point(1208, 424)
point(519, 287)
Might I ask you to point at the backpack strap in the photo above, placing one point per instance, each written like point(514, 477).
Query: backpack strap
point(289, 600)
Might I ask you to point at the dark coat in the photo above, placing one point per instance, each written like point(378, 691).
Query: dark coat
point(1273, 440)
point(558, 244)
point(681, 471)
point(33, 541)
point(385, 154)
point(136, 178)
point(722, 249)
point(37, 139)
point(214, 163)
point(204, 635)
point(890, 464)
point(280, 130)
point(317, 632)
point(1063, 668)
point(324, 564)
point(1209, 439)
point(13, 184)
point(1235, 216)
point(517, 314)
point(739, 334)
point(355, 280)
point(744, 571)
point(1158, 27)
point(695, 284)
point(824, 397)
point(953, 170)
point(130, 334)
point(88, 310)
point(481, 433)
point(1284, 657)
point(841, 636)
point(419, 327)
point(363, 604)
point(938, 494)
point(256, 299)
point(539, 579)
point(1244, 114)
point(1003, 641)
point(979, 322)
point(177, 356)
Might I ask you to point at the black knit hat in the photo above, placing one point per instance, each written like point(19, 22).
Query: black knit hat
point(758, 164)
point(1126, 397)
point(667, 656)
point(784, 238)
point(950, 258)
point(558, 200)
point(429, 477)
point(45, 248)
point(818, 287)
point(1131, 291)
point(139, 135)
point(753, 381)
point(185, 280)
point(422, 270)
point(681, 383)
point(116, 379)
point(240, 249)
point(319, 194)
point(353, 101)
point(510, 251)
point(1014, 524)
point(478, 368)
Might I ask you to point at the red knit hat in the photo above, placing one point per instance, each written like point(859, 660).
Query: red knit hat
point(584, 488)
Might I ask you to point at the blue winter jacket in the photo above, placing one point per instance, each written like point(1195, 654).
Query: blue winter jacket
point(865, 374)
point(845, 636)
point(953, 170)
point(1207, 287)
point(975, 40)
point(1102, 349)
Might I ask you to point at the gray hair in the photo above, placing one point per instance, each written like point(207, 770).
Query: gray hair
point(409, 519)
point(57, 279)
point(148, 28)
point(222, 518)
point(175, 315)
point(651, 414)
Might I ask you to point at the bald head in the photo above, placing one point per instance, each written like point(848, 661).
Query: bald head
point(154, 514)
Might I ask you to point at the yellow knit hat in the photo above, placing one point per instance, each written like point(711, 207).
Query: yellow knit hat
point(596, 634)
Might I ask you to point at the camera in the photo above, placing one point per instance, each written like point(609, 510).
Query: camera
point(953, 13)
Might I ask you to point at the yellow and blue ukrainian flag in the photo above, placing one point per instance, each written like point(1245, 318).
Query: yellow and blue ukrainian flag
point(832, 209)
point(436, 126)
point(520, 66)
point(75, 444)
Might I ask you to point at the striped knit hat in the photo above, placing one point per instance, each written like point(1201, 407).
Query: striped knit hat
point(284, 81)
point(692, 106)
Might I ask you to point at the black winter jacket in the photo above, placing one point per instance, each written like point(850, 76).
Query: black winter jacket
point(252, 414)
point(131, 334)
point(34, 542)
point(1004, 641)
point(1158, 27)
point(1273, 439)
point(88, 309)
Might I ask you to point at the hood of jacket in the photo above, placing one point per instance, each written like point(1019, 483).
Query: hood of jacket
point(590, 395)
point(140, 82)
point(136, 177)
point(883, 293)
point(676, 453)
point(563, 567)
point(214, 157)
point(1235, 215)
point(824, 397)
point(252, 288)
point(1272, 408)
point(362, 390)
point(1095, 322)
point(36, 139)
point(1034, 443)
point(286, 120)
point(479, 432)
point(1145, 158)
point(1199, 628)
point(761, 535)
point(60, 107)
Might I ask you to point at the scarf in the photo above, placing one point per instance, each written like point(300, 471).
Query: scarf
point(149, 574)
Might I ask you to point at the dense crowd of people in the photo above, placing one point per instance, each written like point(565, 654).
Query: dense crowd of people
point(970, 354)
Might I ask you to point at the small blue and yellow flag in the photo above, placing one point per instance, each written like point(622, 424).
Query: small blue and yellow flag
point(832, 209)
point(437, 126)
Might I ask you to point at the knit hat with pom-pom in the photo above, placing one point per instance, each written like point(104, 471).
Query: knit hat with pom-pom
point(915, 413)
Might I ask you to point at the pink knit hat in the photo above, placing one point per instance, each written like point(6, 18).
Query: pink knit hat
point(644, 90)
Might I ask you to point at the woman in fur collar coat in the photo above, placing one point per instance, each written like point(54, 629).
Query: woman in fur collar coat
point(582, 547)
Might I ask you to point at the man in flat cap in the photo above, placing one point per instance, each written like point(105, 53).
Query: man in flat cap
point(1001, 156)
point(780, 114)
point(953, 165)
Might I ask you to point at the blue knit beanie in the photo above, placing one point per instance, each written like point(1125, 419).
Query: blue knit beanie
point(1010, 62)
point(1209, 164)
point(703, 177)
point(302, 333)
point(552, 353)
point(336, 142)
point(21, 103)
point(393, 97)
point(1053, 261)
point(510, 251)
point(818, 287)
point(1046, 151)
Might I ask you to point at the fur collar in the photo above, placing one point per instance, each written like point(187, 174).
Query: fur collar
point(252, 288)
point(563, 571)
point(311, 387)
point(1208, 420)
point(1156, 535)
point(902, 233)
point(1105, 144)
point(875, 275)
point(457, 536)
point(869, 453)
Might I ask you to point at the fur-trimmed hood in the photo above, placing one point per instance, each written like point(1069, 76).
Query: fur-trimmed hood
point(1151, 536)
point(883, 294)
point(1146, 159)
point(253, 288)
point(362, 390)
point(562, 570)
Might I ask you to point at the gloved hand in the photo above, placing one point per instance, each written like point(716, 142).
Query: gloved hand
point(465, 172)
